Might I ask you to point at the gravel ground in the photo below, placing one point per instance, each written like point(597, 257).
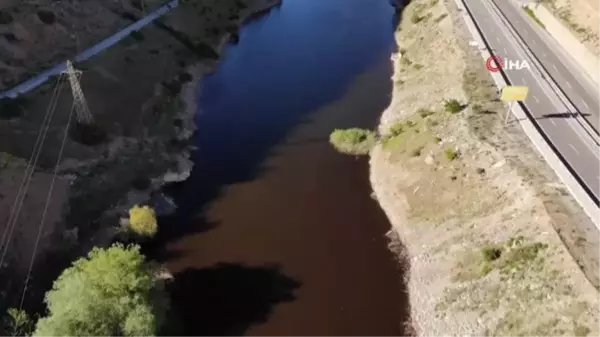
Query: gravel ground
point(486, 227)
point(582, 17)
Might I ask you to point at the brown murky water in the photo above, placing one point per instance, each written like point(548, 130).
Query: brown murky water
point(277, 233)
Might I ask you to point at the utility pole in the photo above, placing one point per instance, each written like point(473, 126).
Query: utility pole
point(83, 113)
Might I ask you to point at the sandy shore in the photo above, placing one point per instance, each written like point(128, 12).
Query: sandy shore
point(495, 244)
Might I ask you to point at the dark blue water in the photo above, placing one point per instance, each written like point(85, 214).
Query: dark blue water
point(277, 233)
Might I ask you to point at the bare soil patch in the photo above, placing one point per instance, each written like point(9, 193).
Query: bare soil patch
point(488, 228)
point(582, 17)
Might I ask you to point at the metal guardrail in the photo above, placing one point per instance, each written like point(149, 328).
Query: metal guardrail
point(533, 120)
point(43, 76)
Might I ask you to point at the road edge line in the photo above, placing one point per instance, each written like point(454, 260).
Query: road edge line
point(563, 173)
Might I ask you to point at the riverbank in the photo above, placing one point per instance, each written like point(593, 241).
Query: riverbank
point(142, 95)
point(495, 244)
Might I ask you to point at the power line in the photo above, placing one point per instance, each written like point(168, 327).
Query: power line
point(34, 151)
point(16, 210)
point(43, 220)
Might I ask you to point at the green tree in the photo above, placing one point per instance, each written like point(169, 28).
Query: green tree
point(112, 292)
point(17, 323)
point(142, 221)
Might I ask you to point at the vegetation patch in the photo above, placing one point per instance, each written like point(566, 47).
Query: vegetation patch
point(142, 222)
point(117, 294)
point(450, 153)
point(531, 14)
point(453, 106)
point(353, 141)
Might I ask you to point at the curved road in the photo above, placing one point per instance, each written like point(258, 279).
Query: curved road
point(43, 76)
point(564, 133)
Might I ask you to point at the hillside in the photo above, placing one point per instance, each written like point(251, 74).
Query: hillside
point(36, 34)
point(495, 244)
point(583, 19)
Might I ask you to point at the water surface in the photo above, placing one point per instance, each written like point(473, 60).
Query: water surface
point(277, 233)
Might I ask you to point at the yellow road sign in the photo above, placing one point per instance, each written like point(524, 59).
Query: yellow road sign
point(514, 93)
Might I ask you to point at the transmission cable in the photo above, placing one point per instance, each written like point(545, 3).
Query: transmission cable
point(30, 170)
point(48, 197)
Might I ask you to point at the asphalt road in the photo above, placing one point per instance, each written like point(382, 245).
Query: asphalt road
point(564, 132)
point(579, 91)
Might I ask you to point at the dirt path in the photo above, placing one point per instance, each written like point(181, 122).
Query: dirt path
point(482, 217)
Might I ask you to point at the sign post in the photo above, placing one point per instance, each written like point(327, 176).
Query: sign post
point(512, 94)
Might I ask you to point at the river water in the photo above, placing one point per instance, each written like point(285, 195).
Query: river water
point(276, 232)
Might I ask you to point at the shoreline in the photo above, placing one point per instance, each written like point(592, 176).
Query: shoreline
point(147, 148)
point(494, 194)
point(200, 69)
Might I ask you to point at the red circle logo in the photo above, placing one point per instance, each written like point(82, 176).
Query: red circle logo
point(494, 63)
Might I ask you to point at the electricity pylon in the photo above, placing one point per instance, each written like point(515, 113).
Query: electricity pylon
point(82, 111)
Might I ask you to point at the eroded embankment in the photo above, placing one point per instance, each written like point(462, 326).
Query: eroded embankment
point(476, 207)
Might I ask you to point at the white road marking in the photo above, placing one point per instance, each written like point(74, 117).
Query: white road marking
point(533, 41)
point(584, 103)
point(552, 121)
point(504, 50)
point(574, 149)
point(523, 80)
point(568, 84)
point(553, 66)
point(544, 54)
point(536, 99)
point(497, 39)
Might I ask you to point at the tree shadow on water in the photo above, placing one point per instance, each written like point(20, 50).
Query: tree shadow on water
point(228, 298)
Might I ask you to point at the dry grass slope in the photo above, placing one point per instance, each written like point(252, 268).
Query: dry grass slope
point(470, 199)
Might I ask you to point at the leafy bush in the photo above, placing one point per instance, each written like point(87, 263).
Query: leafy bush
point(112, 292)
point(353, 141)
point(17, 323)
point(491, 253)
point(416, 18)
point(452, 106)
point(450, 153)
point(142, 221)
